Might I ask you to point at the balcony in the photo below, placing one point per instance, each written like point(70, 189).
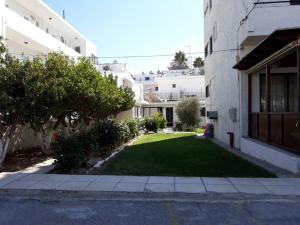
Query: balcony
point(29, 36)
point(267, 18)
point(178, 96)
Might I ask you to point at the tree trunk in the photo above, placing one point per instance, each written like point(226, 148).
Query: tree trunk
point(45, 140)
point(4, 143)
point(5, 138)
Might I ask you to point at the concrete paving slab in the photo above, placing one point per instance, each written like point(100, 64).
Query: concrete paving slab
point(161, 180)
point(19, 184)
point(295, 181)
point(83, 178)
point(215, 180)
point(58, 177)
point(273, 181)
point(10, 177)
point(252, 189)
point(284, 190)
point(244, 181)
point(163, 188)
point(100, 186)
point(220, 188)
point(188, 180)
point(130, 187)
point(190, 188)
point(35, 177)
point(109, 179)
point(134, 179)
point(46, 185)
point(73, 185)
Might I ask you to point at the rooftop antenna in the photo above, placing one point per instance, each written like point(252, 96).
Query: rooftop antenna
point(64, 14)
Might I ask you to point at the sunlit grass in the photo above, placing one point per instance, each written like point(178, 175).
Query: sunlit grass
point(179, 154)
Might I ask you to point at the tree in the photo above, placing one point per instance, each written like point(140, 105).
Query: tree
point(188, 112)
point(179, 62)
point(13, 105)
point(74, 93)
point(54, 93)
point(198, 63)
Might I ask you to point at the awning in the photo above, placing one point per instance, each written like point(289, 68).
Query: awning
point(276, 41)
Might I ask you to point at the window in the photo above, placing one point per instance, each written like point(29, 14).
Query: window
point(207, 91)
point(295, 2)
point(206, 10)
point(210, 4)
point(77, 49)
point(210, 45)
point(156, 88)
point(147, 78)
point(283, 93)
point(206, 50)
point(262, 91)
point(173, 85)
point(202, 112)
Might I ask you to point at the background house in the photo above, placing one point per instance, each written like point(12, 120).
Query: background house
point(164, 90)
point(232, 30)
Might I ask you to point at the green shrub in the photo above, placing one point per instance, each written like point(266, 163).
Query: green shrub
point(150, 124)
point(71, 153)
point(134, 127)
point(188, 112)
point(178, 126)
point(162, 122)
point(109, 134)
point(124, 131)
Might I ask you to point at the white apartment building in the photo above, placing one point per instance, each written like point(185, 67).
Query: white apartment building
point(251, 102)
point(30, 28)
point(164, 90)
point(149, 80)
point(125, 79)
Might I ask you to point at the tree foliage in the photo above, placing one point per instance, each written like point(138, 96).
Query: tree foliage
point(55, 92)
point(198, 63)
point(188, 112)
point(179, 61)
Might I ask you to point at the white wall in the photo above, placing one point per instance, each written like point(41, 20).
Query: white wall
point(183, 83)
point(2, 5)
point(272, 155)
point(228, 87)
point(34, 22)
point(89, 48)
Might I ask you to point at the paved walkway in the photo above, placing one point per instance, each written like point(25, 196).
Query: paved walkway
point(195, 185)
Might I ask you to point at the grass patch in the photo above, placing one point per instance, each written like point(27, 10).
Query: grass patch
point(179, 154)
point(200, 131)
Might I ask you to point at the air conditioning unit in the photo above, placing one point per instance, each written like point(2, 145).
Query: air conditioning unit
point(212, 115)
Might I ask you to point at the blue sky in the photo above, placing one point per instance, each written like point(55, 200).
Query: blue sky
point(137, 27)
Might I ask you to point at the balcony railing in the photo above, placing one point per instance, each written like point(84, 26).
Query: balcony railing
point(35, 34)
point(177, 96)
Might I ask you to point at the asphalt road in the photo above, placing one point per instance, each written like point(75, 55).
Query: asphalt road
point(144, 212)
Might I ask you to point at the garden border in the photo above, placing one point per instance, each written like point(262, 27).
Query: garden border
point(100, 163)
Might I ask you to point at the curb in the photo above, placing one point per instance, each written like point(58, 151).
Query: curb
point(58, 195)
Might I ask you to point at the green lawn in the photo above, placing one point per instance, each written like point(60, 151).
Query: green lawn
point(179, 154)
